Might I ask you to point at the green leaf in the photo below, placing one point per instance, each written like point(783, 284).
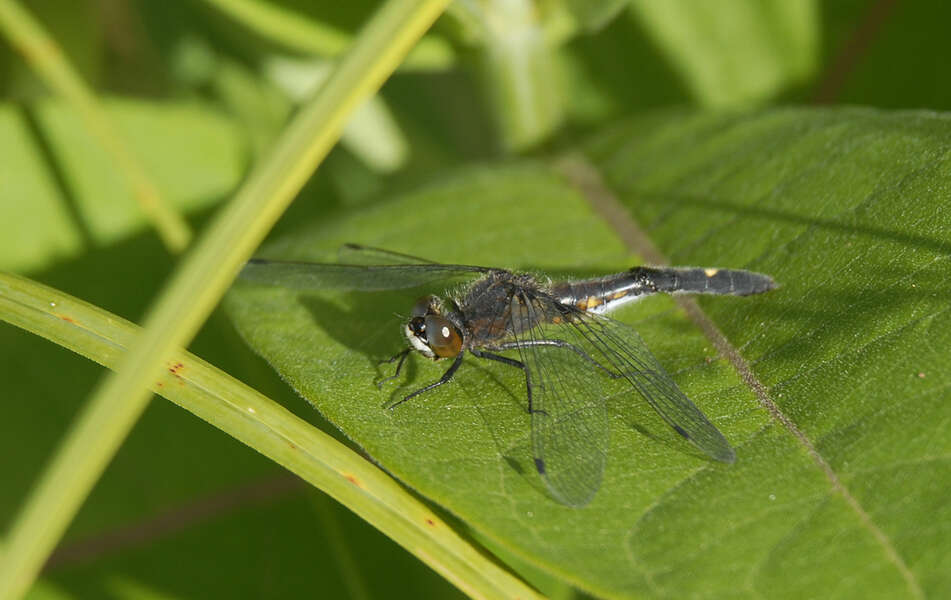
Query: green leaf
point(592, 16)
point(735, 52)
point(833, 389)
point(65, 193)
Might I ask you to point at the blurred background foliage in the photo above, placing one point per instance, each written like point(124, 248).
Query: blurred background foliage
point(198, 89)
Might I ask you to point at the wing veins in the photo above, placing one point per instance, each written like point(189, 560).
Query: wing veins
point(305, 276)
point(569, 426)
point(653, 382)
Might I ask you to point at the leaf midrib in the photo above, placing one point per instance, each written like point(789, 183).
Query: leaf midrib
point(586, 179)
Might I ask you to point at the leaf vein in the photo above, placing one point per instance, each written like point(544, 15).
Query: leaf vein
point(587, 179)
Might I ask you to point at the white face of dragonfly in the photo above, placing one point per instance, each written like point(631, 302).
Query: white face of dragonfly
point(419, 344)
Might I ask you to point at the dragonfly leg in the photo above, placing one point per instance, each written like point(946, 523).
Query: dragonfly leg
point(402, 358)
point(560, 344)
point(446, 378)
point(512, 363)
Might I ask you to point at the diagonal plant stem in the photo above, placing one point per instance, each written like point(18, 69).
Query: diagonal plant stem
point(43, 54)
point(267, 427)
point(200, 282)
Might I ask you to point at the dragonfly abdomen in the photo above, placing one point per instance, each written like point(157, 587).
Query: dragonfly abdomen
point(603, 293)
point(607, 293)
point(732, 282)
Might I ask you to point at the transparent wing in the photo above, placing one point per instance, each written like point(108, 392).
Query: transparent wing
point(621, 350)
point(568, 353)
point(358, 254)
point(307, 276)
point(570, 429)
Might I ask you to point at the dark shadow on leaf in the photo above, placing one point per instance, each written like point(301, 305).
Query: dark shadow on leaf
point(638, 416)
point(507, 422)
point(850, 228)
point(58, 176)
point(368, 325)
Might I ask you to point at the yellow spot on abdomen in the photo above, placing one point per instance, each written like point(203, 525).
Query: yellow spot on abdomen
point(711, 272)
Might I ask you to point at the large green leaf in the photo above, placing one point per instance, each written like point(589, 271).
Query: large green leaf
point(64, 194)
point(833, 389)
point(735, 52)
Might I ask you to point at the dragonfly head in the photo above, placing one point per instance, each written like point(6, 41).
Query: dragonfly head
point(430, 333)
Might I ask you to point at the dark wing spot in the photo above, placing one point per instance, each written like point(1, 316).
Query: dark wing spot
point(540, 465)
point(681, 431)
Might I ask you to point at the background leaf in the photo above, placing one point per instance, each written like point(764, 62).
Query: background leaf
point(848, 352)
point(78, 200)
point(772, 45)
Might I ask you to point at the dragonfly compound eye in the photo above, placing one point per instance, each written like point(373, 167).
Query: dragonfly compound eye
point(442, 337)
point(423, 306)
point(417, 326)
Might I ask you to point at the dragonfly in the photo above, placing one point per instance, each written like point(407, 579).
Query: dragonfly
point(557, 333)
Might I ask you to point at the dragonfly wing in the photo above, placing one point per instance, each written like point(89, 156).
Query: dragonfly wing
point(621, 349)
point(307, 276)
point(568, 354)
point(358, 254)
point(570, 429)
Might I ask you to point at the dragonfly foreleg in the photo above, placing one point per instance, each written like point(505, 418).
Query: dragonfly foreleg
point(401, 355)
point(446, 378)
